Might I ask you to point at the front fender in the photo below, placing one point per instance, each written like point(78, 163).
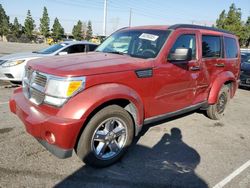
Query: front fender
point(81, 105)
point(218, 82)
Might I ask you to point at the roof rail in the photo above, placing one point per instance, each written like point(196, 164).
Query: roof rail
point(177, 26)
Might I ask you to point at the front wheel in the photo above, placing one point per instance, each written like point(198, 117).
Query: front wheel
point(106, 137)
point(217, 110)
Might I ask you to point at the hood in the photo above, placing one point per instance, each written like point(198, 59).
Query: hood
point(88, 64)
point(23, 55)
point(245, 66)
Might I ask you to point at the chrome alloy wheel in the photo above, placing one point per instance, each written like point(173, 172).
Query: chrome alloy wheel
point(109, 138)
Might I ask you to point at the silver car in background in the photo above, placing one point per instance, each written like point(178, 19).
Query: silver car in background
point(12, 66)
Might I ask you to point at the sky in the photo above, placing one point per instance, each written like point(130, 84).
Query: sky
point(143, 12)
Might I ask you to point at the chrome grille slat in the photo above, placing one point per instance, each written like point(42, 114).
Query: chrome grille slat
point(40, 80)
point(34, 84)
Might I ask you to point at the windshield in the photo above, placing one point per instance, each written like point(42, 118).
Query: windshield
point(51, 49)
point(135, 43)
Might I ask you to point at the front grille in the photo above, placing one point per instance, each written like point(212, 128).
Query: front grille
point(28, 73)
point(40, 80)
point(34, 84)
point(36, 96)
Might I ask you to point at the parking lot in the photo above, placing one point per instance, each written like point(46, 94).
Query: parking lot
point(187, 151)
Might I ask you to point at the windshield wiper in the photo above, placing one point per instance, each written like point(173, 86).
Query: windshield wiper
point(117, 52)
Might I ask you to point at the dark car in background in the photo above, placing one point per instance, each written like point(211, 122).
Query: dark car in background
point(245, 69)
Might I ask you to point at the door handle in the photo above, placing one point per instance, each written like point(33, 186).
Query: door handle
point(195, 68)
point(220, 65)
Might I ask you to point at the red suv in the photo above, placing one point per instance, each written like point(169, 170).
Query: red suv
point(96, 103)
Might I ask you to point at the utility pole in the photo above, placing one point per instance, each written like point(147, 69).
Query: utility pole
point(130, 17)
point(105, 18)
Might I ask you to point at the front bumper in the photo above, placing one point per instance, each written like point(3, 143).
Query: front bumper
point(41, 120)
point(14, 73)
point(244, 80)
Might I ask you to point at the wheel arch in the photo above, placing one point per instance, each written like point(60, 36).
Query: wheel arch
point(102, 96)
point(224, 78)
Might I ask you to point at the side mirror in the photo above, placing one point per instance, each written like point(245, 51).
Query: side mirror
point(181, 54)
point(62, 53)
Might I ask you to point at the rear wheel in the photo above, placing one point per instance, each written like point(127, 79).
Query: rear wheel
point(106, 137)
point(217, 110)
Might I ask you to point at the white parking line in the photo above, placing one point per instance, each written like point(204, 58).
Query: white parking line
point(4, 103)
point(232, 175)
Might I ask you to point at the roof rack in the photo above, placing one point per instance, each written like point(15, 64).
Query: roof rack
point(177, 26)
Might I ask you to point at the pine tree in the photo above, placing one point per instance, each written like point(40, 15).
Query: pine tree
point(57, 30)
point(29, 25)
point(231, 21)
point(220, 22)
point(4, 22)
point(247, 32)
point(78, 31)
point(89, 31)
point(44, 23)
point(16, 28)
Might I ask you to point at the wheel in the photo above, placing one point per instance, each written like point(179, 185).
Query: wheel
point(217, 110)
point(106, 137)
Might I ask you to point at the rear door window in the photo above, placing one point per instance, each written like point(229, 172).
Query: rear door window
point(211, 46)
point(231, 47)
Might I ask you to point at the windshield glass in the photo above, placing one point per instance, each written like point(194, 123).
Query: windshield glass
point(51, 49)
point(135, 43)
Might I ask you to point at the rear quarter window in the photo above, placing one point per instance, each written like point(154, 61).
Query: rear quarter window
point(211, 46)
point(231, 47)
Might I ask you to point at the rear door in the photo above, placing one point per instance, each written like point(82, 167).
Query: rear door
point(212, 56)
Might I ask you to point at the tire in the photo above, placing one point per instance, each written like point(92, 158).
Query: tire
point(217, 110)
point(99, 144)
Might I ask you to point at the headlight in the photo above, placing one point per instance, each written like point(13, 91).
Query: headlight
point(59, 90)
point(12, 63)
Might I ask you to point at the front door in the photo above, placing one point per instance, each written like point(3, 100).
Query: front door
point(175, 82)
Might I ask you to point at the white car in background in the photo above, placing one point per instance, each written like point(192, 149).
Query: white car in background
point(12, 66)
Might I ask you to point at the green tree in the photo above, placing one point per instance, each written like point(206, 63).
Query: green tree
point(4, 22)
point(89, 31)
point(247, 31)
point(220, 22)
point(57, 30)
point(232, 22)
point(16, 28)
point(44, 23)
point(78, 31)
point(29, 25)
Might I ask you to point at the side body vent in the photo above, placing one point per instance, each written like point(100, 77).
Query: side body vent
point(145, 73)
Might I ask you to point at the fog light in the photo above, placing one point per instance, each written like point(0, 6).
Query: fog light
point(50, 137)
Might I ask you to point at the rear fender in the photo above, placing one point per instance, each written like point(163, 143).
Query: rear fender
point(219, 81)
